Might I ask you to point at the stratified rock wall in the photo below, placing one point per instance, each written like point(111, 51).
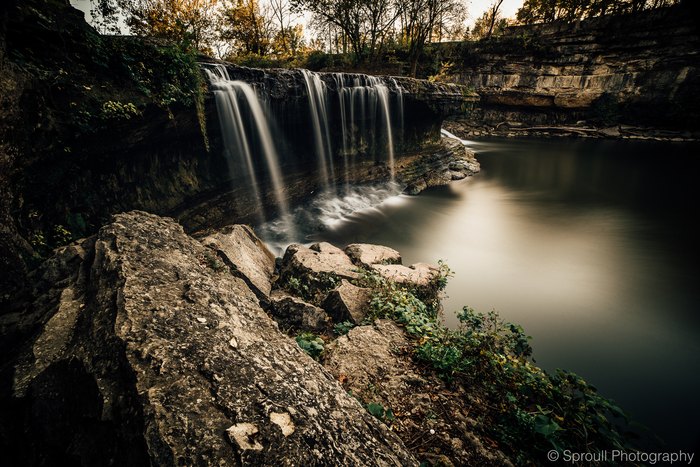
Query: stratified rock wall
point(139, 350)
point(642, 68)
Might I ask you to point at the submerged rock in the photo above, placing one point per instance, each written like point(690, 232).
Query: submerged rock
point(347, 302)
point(141, 353)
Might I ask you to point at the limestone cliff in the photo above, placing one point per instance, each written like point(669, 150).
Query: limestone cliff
point(637, 69)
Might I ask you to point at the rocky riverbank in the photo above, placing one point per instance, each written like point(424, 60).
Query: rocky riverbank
point(471, 128)
point(142, 345)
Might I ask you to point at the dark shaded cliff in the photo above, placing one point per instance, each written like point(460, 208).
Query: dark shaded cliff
point(637, 69)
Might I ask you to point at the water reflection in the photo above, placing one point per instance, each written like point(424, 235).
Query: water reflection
point(587, 244)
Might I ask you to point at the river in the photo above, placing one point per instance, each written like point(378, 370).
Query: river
point(589, 245)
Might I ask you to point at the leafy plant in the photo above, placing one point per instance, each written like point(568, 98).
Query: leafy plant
point(312, 288)
point(114, 110)
point(343, 328)
point(311, 344)
point(378, 411)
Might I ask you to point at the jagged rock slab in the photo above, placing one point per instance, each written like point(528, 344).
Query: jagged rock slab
point(347, 302)
point(156, 358)
point(246, 254)
point(320, 258)
point(374, 362)
point(365, 254)
point(293, 313)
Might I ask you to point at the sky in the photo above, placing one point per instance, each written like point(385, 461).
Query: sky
point(476, 8)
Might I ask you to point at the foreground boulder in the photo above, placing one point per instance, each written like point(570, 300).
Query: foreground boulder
point(246, 255)
point(142, 353)
point(348, 302)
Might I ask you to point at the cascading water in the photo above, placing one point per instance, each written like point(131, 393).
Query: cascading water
point(228, 95)
point(318, 104)
point(233, 130)
point(364, 112)
point(362, 100)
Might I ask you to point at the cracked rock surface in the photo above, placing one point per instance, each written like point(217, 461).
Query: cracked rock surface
point(140, 353)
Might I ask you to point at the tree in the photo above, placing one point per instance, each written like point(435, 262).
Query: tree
point(546, 11)
point(181, 21)
point(247, 27)
point(421, 19)
point(484, 27)
point(493, 15)
point(287, 36)
point(345, 15)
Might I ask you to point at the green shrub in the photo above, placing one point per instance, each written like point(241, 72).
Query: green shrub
point(311, 344)
point(113, 110)
point(378, 411)
point(343, 328)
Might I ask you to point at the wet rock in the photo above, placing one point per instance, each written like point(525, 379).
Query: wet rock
point(246, 255)
point(294, 314)
point(365, 254)
point(442, 167)
point(141, 372)
point(347, 302)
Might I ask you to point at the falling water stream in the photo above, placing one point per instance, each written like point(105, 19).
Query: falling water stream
point(364, 110)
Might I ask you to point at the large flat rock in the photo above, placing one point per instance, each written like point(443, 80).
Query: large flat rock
point(319, 259)
point(366, 254)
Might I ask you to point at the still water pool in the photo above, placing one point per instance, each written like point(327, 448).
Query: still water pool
point(589, 245)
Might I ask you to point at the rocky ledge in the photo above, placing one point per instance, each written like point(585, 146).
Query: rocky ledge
point(144, 346)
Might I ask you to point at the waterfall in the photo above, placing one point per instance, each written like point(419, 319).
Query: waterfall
point(233, 130)
point(319, 118)
point(366, 120)
point(229, 95)
point(362, 101)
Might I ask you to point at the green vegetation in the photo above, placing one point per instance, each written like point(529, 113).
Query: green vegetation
point(378, 410)
point(311, 343)
point(112, 110)
point(525, 409)
point(343, 328)
point(312, 288)
point(546, 11)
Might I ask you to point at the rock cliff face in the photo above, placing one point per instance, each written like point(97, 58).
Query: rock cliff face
point(139, 350)
point(66, 166)
point(638, 69)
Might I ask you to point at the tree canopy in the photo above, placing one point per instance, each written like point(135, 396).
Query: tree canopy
point(546, 11)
